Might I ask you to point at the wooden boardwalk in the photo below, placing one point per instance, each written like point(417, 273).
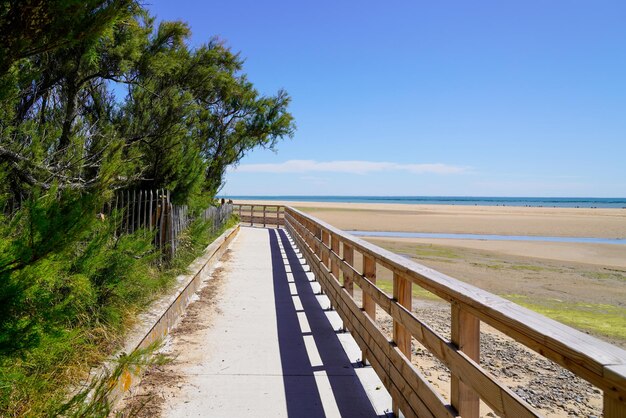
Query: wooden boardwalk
point(273, 349)
point(269, 343)
point(343, 263)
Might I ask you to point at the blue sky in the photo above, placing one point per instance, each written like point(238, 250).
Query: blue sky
point(473, 98)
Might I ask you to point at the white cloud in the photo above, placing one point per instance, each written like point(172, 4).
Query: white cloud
point(353, 167)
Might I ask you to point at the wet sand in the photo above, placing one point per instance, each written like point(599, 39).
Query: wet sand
point(499, 220)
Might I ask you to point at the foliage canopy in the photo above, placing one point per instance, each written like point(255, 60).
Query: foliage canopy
point(95, 96)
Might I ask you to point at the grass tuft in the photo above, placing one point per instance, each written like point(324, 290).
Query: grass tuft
point(597, 318)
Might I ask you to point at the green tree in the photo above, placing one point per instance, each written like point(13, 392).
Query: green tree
point(32, 27)
point(186, 115)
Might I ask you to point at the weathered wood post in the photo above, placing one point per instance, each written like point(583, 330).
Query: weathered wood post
point(348, 256)
point(334, 265)
point(131, 209)
point(325, 241)
point(402, 338)
point(150, 211)
point(139, 211)
point(318, 245)
point(126, 209)
point(465, 334)
point(369, 305)
point(612, 407)
point(171, 225)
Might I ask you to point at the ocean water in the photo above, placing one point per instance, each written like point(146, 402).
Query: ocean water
point(559, 202)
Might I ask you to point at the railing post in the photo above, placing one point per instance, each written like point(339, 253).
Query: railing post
point(264, 207)
point(318, 247)
point(348, 256)
point(466, 335)
point(369, 305)
point(325, 239)
point(613, 408)
point(402, 338)
point(334, 265)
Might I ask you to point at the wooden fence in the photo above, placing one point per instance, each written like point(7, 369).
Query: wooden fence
point(153, 211)
point(330, 253)
point(265, 215)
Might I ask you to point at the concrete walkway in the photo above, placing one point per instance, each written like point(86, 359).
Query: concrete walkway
point(274, 349)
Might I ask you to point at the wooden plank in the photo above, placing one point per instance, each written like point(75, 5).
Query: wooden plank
point(413, 400)
point(428, 395)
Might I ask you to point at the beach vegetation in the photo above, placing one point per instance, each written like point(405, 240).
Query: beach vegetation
point(419, 251)
point(435, 251)
point(64, 312)
point(418, 292)
point(606, 275)
point(511, 266)
point(596, 318)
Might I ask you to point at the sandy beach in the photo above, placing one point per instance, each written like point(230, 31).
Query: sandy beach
point(503, 220)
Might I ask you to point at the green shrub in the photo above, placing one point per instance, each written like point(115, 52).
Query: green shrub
point(69, 288)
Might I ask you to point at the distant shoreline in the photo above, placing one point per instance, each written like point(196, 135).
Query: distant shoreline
point(556, 202)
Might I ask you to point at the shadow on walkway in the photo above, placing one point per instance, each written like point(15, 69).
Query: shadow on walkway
point(310, 388)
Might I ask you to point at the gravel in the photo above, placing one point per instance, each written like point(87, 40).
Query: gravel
point(552, 390)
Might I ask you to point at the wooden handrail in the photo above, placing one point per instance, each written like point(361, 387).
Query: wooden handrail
point(330, 254)
point(260, 214)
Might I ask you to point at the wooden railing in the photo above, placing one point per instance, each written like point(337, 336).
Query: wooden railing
point(330, 253)
point(264, 215)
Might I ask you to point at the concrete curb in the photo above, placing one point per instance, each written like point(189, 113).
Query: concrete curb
point(164, 314)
